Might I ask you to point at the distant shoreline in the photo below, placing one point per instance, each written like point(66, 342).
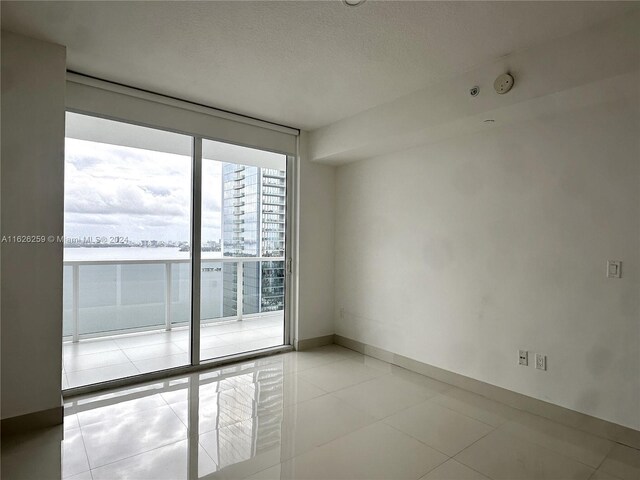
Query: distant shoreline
point(86, 253)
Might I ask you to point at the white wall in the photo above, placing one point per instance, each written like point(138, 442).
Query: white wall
point(33, 85)
point(316, 246)
point(459, 253)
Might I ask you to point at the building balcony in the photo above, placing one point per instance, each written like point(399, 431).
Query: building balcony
point(270, 173)
point(274, 182)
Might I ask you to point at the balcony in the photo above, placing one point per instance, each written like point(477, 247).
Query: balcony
point(271, 173)
point(274, 182)
point(127, 317)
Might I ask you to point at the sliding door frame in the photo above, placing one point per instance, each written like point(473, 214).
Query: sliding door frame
point(290, 256)
point(196, 250)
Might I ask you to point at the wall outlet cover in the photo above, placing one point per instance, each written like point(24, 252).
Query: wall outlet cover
point(523, 358)
point(541, 361)
point(614, 269)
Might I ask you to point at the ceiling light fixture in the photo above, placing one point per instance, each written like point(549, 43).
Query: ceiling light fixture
point(353, 3)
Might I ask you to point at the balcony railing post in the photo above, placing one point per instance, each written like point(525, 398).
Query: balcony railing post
point(167, 296)
point(75, 305)
point(239, 299)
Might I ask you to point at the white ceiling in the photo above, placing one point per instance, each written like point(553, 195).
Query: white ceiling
point(303, 64)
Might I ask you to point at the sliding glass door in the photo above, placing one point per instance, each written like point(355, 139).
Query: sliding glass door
point(127, 264)
point(243, 249)
point(130, 225)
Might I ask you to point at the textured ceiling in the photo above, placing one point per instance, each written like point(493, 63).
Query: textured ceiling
point(304, 64)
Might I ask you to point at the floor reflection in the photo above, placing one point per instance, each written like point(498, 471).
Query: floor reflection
point(188, 427)
point(328, 413)
point(197, 424)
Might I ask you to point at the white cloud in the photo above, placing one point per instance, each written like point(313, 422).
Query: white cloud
point(140, 194)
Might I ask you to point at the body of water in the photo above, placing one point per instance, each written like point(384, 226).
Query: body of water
point(131, 253)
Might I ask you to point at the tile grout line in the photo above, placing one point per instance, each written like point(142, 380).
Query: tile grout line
point(467, 415)
point(533, 444)
point(469, 446)
point(86, 453)
point(423, 400)
point(139, 453)
point(422, 441)
point(130, 361)
point(603, 460)
point(561, 454)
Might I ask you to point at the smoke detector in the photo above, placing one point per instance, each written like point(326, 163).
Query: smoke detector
point(503, 83)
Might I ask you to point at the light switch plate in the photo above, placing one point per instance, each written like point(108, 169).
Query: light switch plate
point(614, 269)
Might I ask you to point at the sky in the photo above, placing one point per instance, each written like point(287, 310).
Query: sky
point(112, 190)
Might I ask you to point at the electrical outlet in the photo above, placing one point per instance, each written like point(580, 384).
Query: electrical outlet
point(614, 269)
point(523, 357)
point(541, 361)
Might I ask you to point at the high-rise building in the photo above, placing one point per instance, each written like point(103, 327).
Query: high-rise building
point(253, 225)
point(272, 243)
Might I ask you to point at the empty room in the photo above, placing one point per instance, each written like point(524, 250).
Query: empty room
point(340, 239)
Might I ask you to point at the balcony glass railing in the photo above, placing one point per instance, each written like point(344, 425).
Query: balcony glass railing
point(104, 298)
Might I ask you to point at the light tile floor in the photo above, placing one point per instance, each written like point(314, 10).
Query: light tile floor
point(107, 358)
point(328, 413)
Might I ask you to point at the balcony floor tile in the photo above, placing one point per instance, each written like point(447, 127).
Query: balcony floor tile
point(102, 359)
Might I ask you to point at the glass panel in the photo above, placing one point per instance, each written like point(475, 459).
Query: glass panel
point(211, 303)
point(180, 293)
point(126, 297)
point(251, 291)
point(243, 218)
point(117, 298)
point(272, 288)
point(67, 300)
